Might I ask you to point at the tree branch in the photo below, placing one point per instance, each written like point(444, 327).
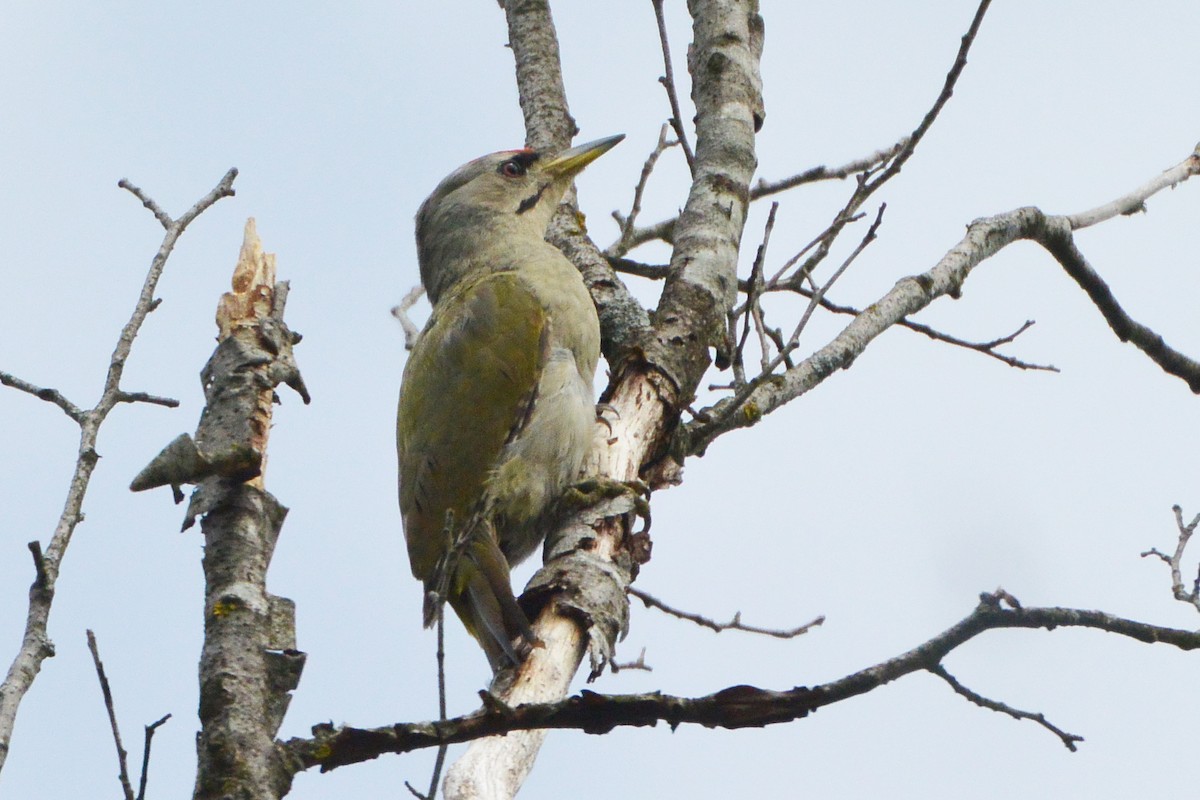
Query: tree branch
point(36, 646)
point(886, 163)
point(1068, 739)
point(249, 663)
point(731, 708)
point(49, 395)
point(985, 237)
point(1135, 201)
point(987, 348)
point(497, 767)
point(1175, 560)
point(400, 312)
point(1056, 237)
point(734, 624)
point(622, 245)
point(122, 762)
point(148, 738)
point(765, 188)
point(956, 69)
point(668, 82)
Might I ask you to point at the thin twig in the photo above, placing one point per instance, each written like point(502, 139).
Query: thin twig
point(655, 272)
point(765, 188)
point(622, 244)
point(870, 236)
point(734, 624)
point(143, 397)
point(149, 737)
point(112, 717)
point(745, 391)
point(440, 761)
point(163, 217)
point(1068, 739)
point(1175, 560)
point(956, 69)
point(400, 312)
point(639, 664)
point(49, 395)
point(987, 348)
point(874, 177)
point(441, 663)
point(874, 171)
point(664, 229)
point(668, 82)
point(753, 311)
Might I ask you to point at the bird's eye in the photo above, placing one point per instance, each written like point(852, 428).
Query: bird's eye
point(512, 169)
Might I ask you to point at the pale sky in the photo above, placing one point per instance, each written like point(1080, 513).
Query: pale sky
point(886, 500)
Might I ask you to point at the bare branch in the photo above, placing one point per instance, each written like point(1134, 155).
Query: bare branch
point(668, 82)
point(753, 309)
point(956, 69)
point(123, 773)
point(1135, 201)
point(400, 312)
point(884, 171)
point(639, 664)
point(622, 245)
point(819, 294)
point(730, 407)
point(665, 229)
point(765, 188)
point(1068, 739)
point(734, 624)
point(1057, 239)
point(149, 737)
point(49, 395)
point(893, 157)
point(1175, 560)
point(143, 397)
point(660, 231)
point(655, 272)
point(163, 217)
point(987, 348)
point(440, 760)
point(35, 644)
point(868, 185)
point(985, 237)
point(731, 708)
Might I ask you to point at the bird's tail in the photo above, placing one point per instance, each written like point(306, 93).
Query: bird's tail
point(480, 592)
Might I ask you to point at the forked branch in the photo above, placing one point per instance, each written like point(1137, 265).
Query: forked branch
point(735, 707)
point(984, 238)
point(36, 646)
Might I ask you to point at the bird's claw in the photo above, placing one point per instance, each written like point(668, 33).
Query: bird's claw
point(594, 490)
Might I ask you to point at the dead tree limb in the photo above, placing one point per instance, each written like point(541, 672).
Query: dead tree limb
point(36, 646)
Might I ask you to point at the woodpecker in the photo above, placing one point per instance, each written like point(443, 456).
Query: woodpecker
point(496, 406)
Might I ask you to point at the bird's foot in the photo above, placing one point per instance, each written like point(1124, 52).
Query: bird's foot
point(598, 489)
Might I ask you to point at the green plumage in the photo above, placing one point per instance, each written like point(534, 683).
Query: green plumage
point(496, 408)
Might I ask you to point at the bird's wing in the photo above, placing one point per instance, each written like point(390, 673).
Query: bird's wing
point(468, 383)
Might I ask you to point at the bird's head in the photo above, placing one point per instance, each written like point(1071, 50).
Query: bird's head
point(491, 203)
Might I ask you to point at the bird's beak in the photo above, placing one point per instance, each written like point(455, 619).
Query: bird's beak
point(570, 163)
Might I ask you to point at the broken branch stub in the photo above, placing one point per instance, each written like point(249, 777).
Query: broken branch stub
point(253, 356)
